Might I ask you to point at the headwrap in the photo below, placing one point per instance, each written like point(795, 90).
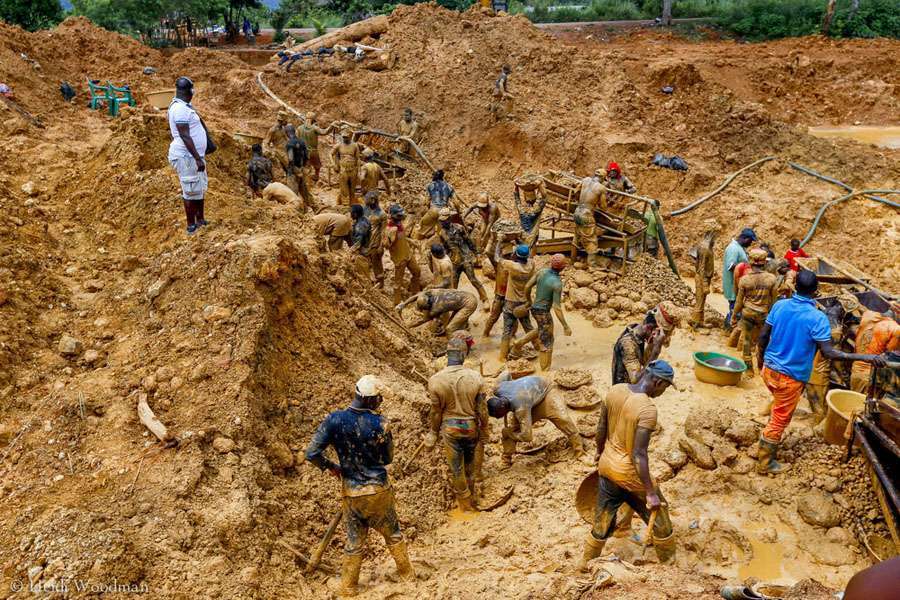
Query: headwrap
point(661, 370)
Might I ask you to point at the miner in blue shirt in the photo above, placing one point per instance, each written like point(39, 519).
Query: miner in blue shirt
point(362, 439)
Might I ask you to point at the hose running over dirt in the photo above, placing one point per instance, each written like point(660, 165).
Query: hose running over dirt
point(724, 185)
point(827, 205)
point(838, 183)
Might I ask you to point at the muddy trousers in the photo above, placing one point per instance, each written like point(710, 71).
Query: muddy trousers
point(553, 409)
point(460, 318)
point(815, 395)
point(751, 325)
point(860, 379)
point(469, 269)
point(376, 259)
point(494, 316)
point(347, 185)
point(700, 294)
point(415, 274)
point(786, 393)
point(375, 511)
point(460, 453)
point(610, 497)
point(296, 180)
point(511, 321)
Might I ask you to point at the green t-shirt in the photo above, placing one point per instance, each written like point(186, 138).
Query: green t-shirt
point(548, 290)
point(734, 254)
point(650, 219)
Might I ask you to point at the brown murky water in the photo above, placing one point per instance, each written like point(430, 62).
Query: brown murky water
point(884, 137)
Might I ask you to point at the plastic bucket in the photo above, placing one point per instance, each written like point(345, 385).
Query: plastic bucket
point(161, 98)
point(841, 404)
point(718, 369)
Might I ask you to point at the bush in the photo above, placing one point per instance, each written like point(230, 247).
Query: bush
point(769, 19)
point(874, 18)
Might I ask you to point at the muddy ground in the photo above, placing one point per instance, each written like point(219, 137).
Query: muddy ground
point(243, 337)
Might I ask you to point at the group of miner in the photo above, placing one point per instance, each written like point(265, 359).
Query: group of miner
point(771, 308)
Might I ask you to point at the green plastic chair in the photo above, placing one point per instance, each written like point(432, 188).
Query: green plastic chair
point(99, 94)
point(118, 96)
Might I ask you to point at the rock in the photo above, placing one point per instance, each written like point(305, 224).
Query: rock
point(129, 263)
point(363, 319)
point(582, 278)
point(34, 573)
point(176, 383)
point(223, 445)
point(831, 484)
point(724, 453)
point(831, 554)
point(149, 383)
point(742, 432)
point(157, 288)
point(716, 420)
point(839, 535)
point(69, 346)
point(93, 285)
point(4, 296)
point(28, 188)
point(584, 298)
point(699, 454)
point(165, 373)
point(675, 458)
point(90, 357)
point(213, 313)
point(743, 465)
point(279, 455)
point(818, 508)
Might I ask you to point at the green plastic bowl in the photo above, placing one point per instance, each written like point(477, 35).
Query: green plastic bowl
point(718, 369)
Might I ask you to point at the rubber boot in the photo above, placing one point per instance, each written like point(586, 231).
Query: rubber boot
point(404, 568)
point(465, 503)
point(766, 462)
point(592, 549)
point(665, 548)
point(350, 575)
point(544, 359)
point(504, 350)
point(734, 337)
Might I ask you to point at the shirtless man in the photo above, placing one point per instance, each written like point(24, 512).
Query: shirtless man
point(377, 220)
point(548, 291)
point(530, 212)
point(519, 271)
point(440, 195)
point(704, 271)
point(501, 99)
point(409, 129)
point(259, 171)
point(333, 230)
point(309, 132)
point(345, 158)
point(489, 213)
point(590, 199)
point(274, 144)
point(372, 173)
point(441, 268)
point(528, 400)
point(462, 251)
point(395, 236)
point(439, 305)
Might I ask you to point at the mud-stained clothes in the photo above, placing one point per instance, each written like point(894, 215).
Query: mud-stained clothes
point(364, 445)
point(651, 235)
point(439, 192)
point(361, 234)
point(518, 274)
point(585, 229)
point(458, 303)
point(499, 300)
point(401, 256)
point(532, 399)
point(371, 173)
point(334, 225)
point(877, 334)
point(756, 292)
point(734, 255)
point(529, 217)
point(377, 219)
point(626, 411)
point(628, 356)
point(547, 294)
point(705, 268)
point(459, 244)
point(820, 377)
point(459, 415)
point(259, 173)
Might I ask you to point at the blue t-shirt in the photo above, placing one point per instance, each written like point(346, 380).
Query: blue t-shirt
point(362, 445)
point(796, 327)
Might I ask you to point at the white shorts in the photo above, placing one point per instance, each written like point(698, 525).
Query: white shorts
point(194, 183)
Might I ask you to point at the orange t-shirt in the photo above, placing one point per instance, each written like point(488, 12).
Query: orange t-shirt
point(625, 412)
point(877, 334)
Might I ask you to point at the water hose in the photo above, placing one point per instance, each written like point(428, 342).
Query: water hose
point(838, 183)
point(827, 205)
point(724, 185)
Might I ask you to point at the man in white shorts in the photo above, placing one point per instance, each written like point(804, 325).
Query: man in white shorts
point(190, 145)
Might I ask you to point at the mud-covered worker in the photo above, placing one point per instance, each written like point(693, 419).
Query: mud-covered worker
point(793, 331)
point(528, 400)
point(440, 195)
point(501, 280)
point(274, 144)
point(309, 132)
point(627, 419)
point(362, 439)
point(441, 268)
point(333, 230)
point(519, 270)
point(756, 293)
point(377, 220)
point(839, 316)
point(651, 234)
point(794, 253)
point(785, 278)
point(589, 200)
point(704, 271)
point(877, 334)
point(297, 156)
point(409, 131)
point(668, 318)
point(371, 174)
point(637, 345)
point(735, 254)
point(489, 213)
point(530, 212)
point(547, 286)
point(459, 415)
point(462, 251)
point(398, 245)
point(501, 98)
point(191, 143)
point(449, 309)
point(345, 158)
point(617, 182)
point(259, 170)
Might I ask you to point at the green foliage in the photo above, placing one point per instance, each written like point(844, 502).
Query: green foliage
point(769, 19)
point(31, 14)
point(873, 19)
point(279, 18)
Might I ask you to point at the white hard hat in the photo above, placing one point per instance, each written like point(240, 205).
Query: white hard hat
point(368, 385)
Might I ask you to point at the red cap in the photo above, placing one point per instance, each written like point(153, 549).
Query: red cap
point(558, 262)
point(613, 166)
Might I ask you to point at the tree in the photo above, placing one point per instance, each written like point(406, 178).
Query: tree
point(31, 14)
point(829, 15)
point(667, 12)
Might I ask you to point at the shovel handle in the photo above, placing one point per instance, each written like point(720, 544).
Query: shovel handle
point(326, 539)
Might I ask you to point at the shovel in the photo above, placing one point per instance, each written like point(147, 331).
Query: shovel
point(326, 539)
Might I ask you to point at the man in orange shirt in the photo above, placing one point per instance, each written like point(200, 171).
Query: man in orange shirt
point(877, 334)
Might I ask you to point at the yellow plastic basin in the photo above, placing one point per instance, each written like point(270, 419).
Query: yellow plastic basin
point(841, 405)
